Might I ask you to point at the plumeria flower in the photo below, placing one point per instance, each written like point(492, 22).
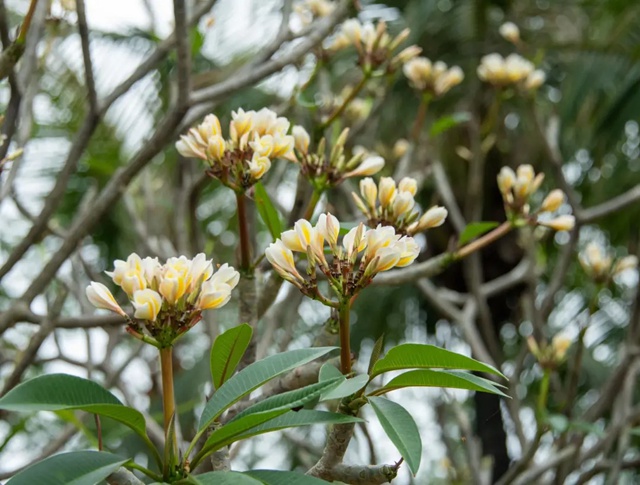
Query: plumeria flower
point(434, 78)
point(510, 32)
point(168, 299)
point(601, 266)
point(256, 138)
point(394, 205)
point(509, 71)
point(350, 266)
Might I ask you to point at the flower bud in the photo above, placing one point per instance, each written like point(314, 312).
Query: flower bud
point(301, 139)
point(147, 304)
point(561, 223)
point(535, 80)
point(370, 166)
point(387, 192)
point(258, 166)
point(281, 258)
point(172, 286)
point(402, 204)
point(408, 184)
point(560, 344)
point(506, 180)
point(434, 217)
point(628, 262)
point(369, 191)
point(510, 32)
point(400, 147)
point(329, 228)
point(100, 297)
point(553, 201)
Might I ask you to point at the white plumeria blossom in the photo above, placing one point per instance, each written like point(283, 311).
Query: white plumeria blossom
point(378, 249)
point(178, 283)
point(437, 77)
point(369, 166)
point(501, 71)
point(260, 136)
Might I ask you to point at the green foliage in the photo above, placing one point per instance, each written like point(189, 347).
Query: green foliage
point(400, 428)
point(253, 377)
point(74, 468)
point(413, 356)
point(268, 213)
point(227, 351)
point(475, 229)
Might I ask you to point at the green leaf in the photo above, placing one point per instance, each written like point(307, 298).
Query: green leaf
point(475, 229)
point(226, 352)
point(422, 356)
point(267, 211)
point(447, 122)
point(439, 378)
point(293, 399)
point(54, 392)
point(229, 433)
point(294, 419)
point(255, 375)
point(558, 422)
point(276, 477)
point(375, 353)
point(75, 468)
point(261, 423)
point(400, 428)
point(346, 388)
point(225, 478)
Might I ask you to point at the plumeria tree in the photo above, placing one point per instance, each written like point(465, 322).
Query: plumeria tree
point(240, 267)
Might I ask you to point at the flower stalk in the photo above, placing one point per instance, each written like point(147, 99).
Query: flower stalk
point(345, 335)
point(168, 405)
point(243, 230)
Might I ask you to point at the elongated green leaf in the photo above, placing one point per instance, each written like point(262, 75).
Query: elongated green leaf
point(346, 388)
point(229, 432)
point(375, 353)
point(276, 477)
point(422, 356)
point(439, 378)
point(255, 375)
point(267, 211)
point(447, 122)
point(329, 371)
point(294, 419)
point(226, 352)
point(261, 423)
point(293, 399)
point(75, 468)
point(475, 229)
point(400, 428)
point(54, 392)
point(225, 478)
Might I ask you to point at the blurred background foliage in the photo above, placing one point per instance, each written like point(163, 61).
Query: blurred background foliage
point(590, 50)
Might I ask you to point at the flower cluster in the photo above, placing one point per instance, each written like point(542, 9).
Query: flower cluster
point(256, 138)
point(389, 204)
point(510, 71)
point(325, 172)
point(374, 44)
point(518, 187)
point(352, 264)
point(168, 299)
point(549, 356)
point(601, 266)
point(434, 78)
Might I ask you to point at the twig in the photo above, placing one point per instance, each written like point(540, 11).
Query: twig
point(183, 52)
point(86, 55)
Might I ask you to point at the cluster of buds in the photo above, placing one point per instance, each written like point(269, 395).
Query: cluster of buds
point(309, 10)
point(326, 172)
point(168, 299)
point(550, 356)
point(374, 44)
point(510, 32)
point(601, 266)
point(433, 78)
point(389, 205)
point(518, 187)
point(513, 70)
point(352, 264)
point(256, 138)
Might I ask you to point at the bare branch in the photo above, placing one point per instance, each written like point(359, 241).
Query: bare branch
point(183, 52)
point(86, 55)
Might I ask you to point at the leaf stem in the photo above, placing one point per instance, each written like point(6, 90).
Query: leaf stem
point(345, 330)
point(98, 431)
point(243, 229)
point(543, 396)
point(132, 465)
point(420, 116)
point(24, 28)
